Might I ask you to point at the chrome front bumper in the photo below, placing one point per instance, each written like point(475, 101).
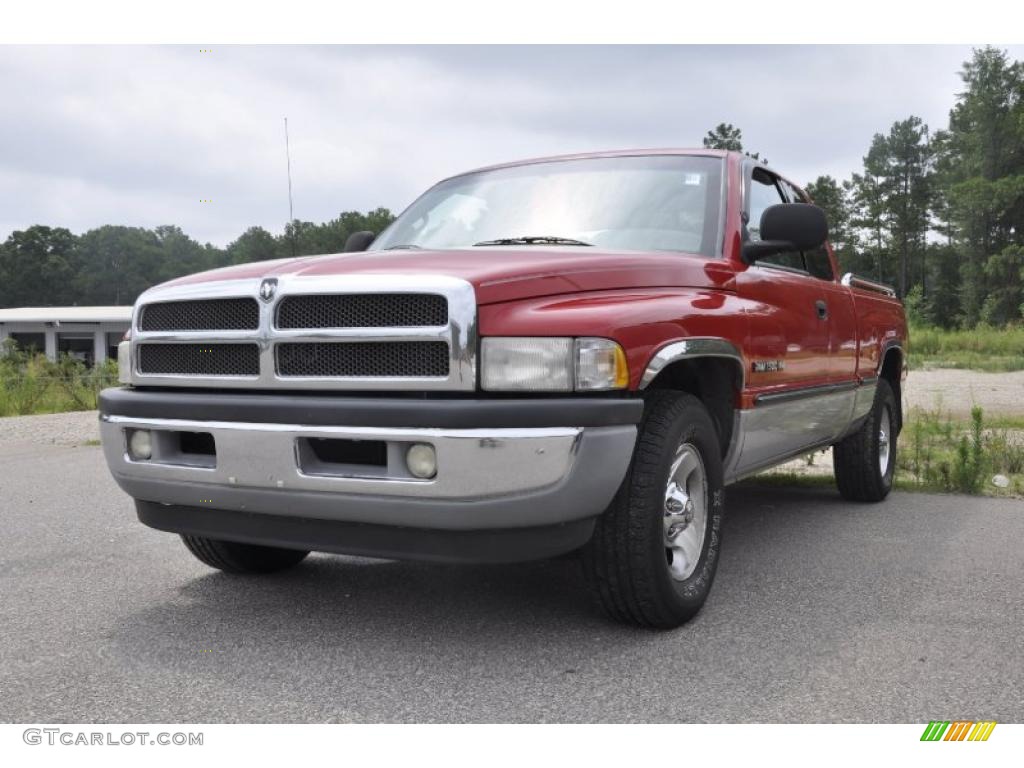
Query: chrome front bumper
point(487, 478)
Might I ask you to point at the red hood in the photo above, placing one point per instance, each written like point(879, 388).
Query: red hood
point(504, 273)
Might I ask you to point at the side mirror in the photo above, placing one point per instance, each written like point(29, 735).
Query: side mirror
point(359, 241)
point(788, 227)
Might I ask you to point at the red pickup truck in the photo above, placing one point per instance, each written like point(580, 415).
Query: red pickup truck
point(573, 353)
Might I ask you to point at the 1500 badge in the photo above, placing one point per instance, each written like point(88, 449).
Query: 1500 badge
point(768, 366)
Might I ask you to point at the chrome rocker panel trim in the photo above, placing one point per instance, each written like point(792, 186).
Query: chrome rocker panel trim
point(784, 425)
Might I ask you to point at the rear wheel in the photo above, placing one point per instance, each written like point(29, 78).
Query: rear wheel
point(234, 557)
point(865, 461)
point(654, 551)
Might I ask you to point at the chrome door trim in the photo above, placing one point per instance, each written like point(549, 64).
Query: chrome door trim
point(709, 346)
point(770, 398)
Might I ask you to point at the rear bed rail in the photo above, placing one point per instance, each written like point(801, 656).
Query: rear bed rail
point(853, 281)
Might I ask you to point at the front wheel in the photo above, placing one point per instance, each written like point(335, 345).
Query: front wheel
point(865, 461)
point(235, 557)
point(653, 555)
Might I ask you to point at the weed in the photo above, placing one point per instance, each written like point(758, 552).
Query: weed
point(29, 383)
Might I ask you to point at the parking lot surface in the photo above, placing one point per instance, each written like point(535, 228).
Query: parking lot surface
point(907, 611)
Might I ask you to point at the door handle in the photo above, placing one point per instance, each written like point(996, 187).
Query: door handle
point(822, 308)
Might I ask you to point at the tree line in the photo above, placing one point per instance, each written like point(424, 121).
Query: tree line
point(111, 265)
point(939, 214)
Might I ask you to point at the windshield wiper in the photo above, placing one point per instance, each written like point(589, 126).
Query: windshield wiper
point(538, 240)
point(408, 247)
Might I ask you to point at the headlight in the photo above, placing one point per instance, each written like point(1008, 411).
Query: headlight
point(600, 364)
point(124, 362)
point(525, 363)
point(551, 364)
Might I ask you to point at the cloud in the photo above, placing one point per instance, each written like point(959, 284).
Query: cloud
point(139, 135)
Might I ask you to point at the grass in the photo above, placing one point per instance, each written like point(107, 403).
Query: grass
point(31, 384)
point(939, 454)
point(983, 348)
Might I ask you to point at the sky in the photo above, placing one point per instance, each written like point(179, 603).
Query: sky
point(144, 136)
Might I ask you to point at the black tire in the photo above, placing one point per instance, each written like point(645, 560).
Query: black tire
point(627, 562)
point(234, 557)
point(858, 457)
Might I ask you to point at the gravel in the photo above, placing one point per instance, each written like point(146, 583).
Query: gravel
point(957, 391)
point(70, 429)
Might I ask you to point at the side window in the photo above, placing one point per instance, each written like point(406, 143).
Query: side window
point(765, 192)
point(818, 263)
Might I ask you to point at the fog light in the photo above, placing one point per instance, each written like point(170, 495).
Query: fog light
point(422, 461)
point(140, 444)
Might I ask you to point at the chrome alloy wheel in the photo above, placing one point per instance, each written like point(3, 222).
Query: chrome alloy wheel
point(686, 512)
point(884, 440)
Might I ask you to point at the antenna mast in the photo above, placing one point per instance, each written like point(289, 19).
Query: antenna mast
point(288, 157)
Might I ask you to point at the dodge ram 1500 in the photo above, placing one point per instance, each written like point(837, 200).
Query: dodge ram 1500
point(572, 353)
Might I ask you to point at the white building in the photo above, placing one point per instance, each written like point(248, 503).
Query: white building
point(89, 333)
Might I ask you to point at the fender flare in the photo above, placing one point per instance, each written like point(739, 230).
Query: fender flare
point(689, 349)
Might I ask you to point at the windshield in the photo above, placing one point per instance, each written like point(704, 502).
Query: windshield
point(649, 203)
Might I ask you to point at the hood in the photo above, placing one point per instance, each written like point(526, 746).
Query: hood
point(503, 273)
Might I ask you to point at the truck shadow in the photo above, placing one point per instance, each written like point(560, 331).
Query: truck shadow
point(333, 603)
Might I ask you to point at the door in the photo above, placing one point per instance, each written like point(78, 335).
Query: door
point(842, 319)
point(791, 301)
point(789, 328)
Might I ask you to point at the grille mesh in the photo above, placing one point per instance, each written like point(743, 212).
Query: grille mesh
point(200, 359)
point(363, 359)
point(359, 310)
point(205, 315)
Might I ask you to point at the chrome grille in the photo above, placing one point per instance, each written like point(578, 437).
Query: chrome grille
point(361, 310)
point(364, 359)
point(400, 332)
point(206, 315)
point(199, 359)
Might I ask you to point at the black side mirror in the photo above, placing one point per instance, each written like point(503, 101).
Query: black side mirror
point(359, 241)
point(788, 227)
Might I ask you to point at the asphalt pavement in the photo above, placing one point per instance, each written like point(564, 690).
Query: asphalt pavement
point(907, 611)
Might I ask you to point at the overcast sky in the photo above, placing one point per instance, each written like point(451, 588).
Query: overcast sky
point(140, 135)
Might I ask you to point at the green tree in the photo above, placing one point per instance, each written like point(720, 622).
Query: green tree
point(310, 239)
point(116, 264)
point(983, 171)
point(181, 255)
point(867, 217)
point(255, 244)
point(729, 137)
point(941, 307)
point(894, 196)
point(834, 199)
point(724, 136)
point(37, 267)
